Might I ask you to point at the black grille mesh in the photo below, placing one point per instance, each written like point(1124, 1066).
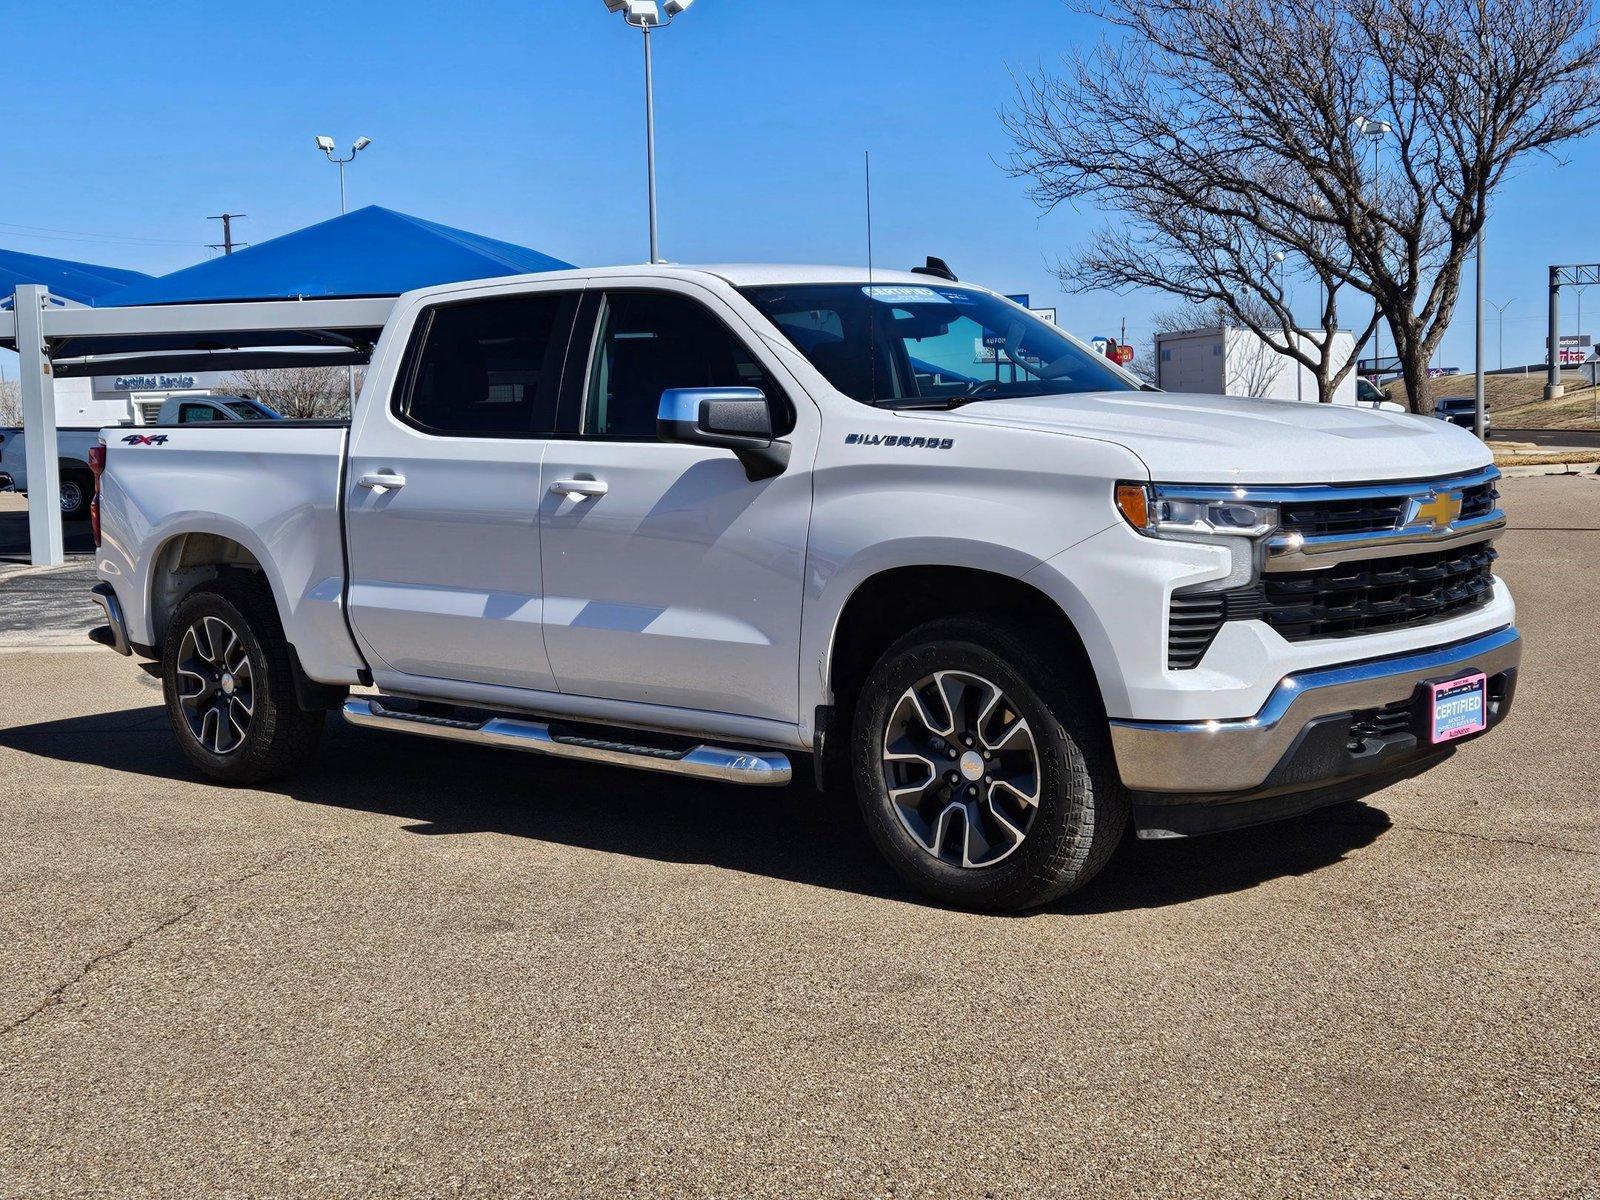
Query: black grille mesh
point(1381, 593)
point(1373, 514)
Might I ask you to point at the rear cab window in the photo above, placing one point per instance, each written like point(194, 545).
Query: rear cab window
point(487, 368)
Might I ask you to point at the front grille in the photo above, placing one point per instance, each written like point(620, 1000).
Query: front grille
point(1381, 593)
point(1372, 514)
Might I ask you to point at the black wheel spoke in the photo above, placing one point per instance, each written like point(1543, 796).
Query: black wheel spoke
point(961, 769)
point(215, 685)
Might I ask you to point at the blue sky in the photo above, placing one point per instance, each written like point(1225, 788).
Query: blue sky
point(124, 125)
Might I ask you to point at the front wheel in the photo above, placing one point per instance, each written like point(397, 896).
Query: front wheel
point(229, 684)
point(983, 767)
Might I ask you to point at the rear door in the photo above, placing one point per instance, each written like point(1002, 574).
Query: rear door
point(673, 578)
point(443, 492)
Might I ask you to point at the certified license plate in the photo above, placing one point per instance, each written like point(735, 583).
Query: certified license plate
point(1459, 707)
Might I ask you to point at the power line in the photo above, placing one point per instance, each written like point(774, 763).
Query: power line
point(78, 235)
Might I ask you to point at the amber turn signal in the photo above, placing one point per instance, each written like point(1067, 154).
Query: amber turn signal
point(1133, 501)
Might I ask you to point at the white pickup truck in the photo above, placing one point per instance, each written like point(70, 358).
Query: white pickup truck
point(73, 445)
point(707, 520)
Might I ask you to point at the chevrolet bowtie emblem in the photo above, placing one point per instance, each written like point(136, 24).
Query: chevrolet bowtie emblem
point(1439, 509)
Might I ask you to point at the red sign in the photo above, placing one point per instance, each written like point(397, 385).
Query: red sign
point(1124, 354)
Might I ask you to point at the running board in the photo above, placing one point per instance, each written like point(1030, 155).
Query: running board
point(766, 768)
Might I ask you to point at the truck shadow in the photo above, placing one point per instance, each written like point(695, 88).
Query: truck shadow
point(792, 833)
point(76, 536)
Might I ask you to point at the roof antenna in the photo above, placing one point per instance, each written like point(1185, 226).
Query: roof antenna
point(872, 302)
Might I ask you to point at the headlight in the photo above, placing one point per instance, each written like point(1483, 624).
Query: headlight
point(1238, 526)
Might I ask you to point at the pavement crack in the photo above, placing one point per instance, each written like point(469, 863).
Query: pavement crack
point(1504, 841)
point(186, 907)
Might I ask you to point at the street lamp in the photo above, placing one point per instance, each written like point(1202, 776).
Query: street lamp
point(1279, 257)
point(325, 144)
point(1375, 129)
point(645, 15)
point(1500, 313)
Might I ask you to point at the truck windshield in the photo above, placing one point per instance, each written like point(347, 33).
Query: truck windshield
point(933, 346)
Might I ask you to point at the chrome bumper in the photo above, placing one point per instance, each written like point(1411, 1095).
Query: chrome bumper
point(1214, 757)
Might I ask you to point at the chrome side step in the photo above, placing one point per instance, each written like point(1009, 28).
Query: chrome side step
point(765, 768)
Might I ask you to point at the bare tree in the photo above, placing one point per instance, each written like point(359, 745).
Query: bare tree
point(10, 402)
point(1227, 131)
point(299, 393)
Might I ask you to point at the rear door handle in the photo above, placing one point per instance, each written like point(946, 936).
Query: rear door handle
point(582, 488)
point(382, 481)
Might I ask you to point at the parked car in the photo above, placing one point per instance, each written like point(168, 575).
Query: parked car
point(73, 445)
point(1462, 411)
point(708, 520)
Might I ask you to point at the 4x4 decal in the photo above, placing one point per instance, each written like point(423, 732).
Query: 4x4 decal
point(145, 439)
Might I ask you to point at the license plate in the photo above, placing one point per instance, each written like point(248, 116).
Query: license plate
point(1459, 707)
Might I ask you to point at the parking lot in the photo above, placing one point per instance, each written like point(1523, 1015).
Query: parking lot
point(426, 970)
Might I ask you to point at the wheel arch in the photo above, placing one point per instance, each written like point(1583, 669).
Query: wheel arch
point(885, 605)
point(187, 559)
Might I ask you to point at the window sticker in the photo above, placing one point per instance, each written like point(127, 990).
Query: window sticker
point(902, 294)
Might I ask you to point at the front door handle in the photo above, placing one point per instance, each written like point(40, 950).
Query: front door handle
point(382, 481)
point(581, 488)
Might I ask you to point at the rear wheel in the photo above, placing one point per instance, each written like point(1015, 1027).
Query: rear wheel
point(983, 767)
point(229, 684)
point(77, 491)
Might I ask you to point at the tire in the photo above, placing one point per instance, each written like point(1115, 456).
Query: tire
point(77, 493)
point(975, 858)
point(225, 652)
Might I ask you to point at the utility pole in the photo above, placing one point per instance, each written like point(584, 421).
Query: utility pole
point(227, 245)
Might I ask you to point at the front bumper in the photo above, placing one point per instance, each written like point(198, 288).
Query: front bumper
point(1320, 730)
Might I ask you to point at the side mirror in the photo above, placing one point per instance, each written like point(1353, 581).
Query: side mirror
point(737, 419)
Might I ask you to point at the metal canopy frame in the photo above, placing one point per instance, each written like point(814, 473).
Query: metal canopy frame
point(1579, 275)
point(53, 340)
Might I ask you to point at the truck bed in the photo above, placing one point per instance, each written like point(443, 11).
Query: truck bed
point(273, 488)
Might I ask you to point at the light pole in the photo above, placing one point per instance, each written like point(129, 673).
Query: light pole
point(645, 15)
point(1374, 130)
point(1500, 319)
point(1281, 259)
point(325, 144)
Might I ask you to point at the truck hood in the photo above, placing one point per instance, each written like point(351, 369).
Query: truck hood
point(1189, 438)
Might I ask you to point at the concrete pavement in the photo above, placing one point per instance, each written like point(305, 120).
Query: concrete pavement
point(423, 970)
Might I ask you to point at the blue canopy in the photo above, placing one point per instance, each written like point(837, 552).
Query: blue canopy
point(370, 252)
point(83, 282)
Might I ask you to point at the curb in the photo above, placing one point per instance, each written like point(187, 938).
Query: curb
point(1583, 468)
point(44, 570)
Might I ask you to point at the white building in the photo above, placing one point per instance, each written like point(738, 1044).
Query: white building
point(126, 399)
point(1235, 362)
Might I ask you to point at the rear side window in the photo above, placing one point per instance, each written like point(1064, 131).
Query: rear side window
point(652, 341)
point(488, 368)
point(191, 414)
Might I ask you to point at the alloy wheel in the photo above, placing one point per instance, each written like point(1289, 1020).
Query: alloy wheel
point(961, 768)
point(216, 685)
point(71, 496)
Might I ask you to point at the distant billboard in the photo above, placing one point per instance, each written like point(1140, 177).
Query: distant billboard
point(1574, 348)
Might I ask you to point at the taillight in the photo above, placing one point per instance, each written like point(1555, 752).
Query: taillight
point(97, 467)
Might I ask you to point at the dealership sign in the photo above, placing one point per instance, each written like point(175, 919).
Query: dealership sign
point(151, 383)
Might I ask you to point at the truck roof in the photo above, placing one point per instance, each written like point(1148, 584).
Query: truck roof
point(736, 274)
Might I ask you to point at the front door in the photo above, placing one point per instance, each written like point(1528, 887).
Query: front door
point(443, 494)
point(671, 577)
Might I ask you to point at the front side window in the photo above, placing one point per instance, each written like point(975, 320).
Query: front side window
point(488, 368)
point(916, 346)
point(649, 342)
